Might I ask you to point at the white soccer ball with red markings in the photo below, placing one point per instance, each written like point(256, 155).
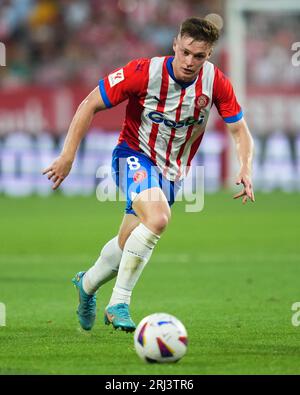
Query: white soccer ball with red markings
point(161, 338)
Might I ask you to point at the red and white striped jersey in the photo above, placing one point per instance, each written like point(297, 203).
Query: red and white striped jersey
point(166, 118)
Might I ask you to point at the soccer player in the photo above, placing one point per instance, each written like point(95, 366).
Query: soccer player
point(169, 100)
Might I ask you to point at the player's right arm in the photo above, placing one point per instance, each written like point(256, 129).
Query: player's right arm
point(79, 126)
point(112, 90)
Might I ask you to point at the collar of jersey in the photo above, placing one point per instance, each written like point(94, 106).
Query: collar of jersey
point(171, 73)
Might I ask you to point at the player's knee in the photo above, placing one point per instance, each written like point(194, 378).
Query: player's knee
point(157, 223)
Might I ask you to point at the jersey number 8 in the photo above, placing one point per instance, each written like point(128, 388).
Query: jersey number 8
point(133, 163)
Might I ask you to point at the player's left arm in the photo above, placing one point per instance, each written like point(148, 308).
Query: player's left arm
point(231, 112)
point(244, 146)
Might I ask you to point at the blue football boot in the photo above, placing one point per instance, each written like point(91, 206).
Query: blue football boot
point(118, 315)
point(87, 304)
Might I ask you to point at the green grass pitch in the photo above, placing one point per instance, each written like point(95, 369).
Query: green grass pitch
point(230, 273)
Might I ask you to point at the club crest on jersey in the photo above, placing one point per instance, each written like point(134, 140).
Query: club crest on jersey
point(202, 101)
point(139, 176)
point(116, 77)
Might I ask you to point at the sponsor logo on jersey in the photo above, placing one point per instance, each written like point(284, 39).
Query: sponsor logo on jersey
point(202, 101)
point(116, 77)
point(158, 117)
point(139, 176)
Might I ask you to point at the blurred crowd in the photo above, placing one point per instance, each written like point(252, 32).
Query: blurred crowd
point(269, 49)
point(52, 42)
point(59, 41)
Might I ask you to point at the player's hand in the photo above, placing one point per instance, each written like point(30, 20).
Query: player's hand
point(58, 171)
point(247, 192)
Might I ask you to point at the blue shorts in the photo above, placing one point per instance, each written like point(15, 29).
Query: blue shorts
point(134, 172)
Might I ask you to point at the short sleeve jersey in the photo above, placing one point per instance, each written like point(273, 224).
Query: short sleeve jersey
point(166, 118)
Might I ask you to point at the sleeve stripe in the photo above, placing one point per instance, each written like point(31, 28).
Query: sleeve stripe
point(104, 94)
point(235, 118)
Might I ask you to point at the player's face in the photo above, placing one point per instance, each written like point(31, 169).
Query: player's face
point(190, 56)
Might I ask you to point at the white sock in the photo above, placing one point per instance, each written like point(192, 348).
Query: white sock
point(137, 252)
point(105, 268)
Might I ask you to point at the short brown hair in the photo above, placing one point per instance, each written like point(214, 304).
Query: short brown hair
point(200, 30)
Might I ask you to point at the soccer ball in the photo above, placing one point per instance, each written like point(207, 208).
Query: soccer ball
point(161, 338)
